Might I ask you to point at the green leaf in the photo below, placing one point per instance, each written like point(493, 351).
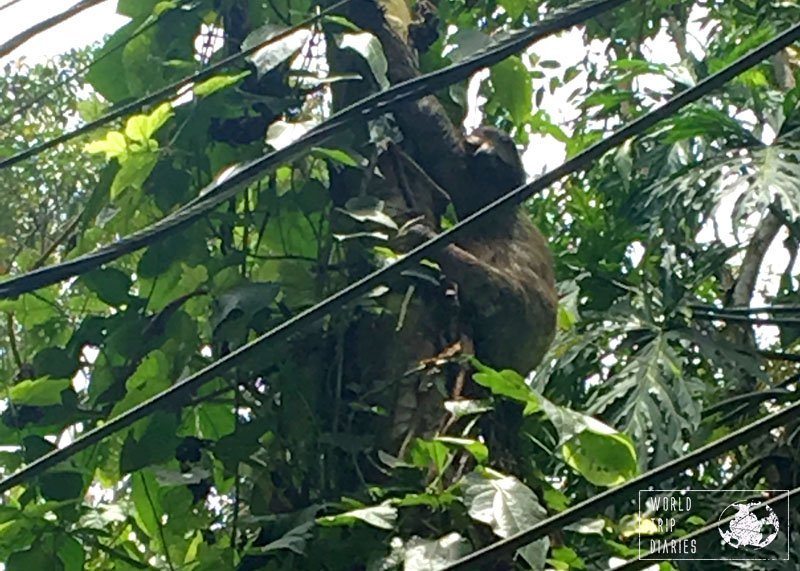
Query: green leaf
point(113, 145)
point(104, 74)
point(438, 553)
point(31, 310)
point(156, 443)
point(294, 540)
point(244, 303)
point(146, 496)
point(110, 284)
point(155, 120)
point(135, 170)
point(150, 378)
point(506, 383)
point(141, 128)
point(507, 506)
point(603, 459)
point(269, 57)
point(566, 558)
point(337, 155)
point(35, 447)
point(56, 363)
point(382, 516)
point(512, 88)
point(599, 453)
point(38, 392)
point(429, 454)
point(466, 42)
point(368, 209)
point(34, 558)
point(368, 47)
point(214, 84)
point(70, 552)
point(137, 9)
point(515, 8)
point(478, 449)
point(61, 486)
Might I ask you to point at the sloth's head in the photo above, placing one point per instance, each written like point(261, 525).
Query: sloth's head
point(494, 165)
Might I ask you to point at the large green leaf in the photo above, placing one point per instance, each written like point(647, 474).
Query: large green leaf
point(513, 90)
point(507, 506)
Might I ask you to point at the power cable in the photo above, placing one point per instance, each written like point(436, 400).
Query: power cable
point(505, 548)
point(737, 317)
point(707, 308)
point(165, 92)
point(9, 4)
point(177, 394)
point(227, 185)
point(44, 25)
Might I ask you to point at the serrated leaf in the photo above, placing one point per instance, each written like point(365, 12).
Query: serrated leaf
point(141, 128)
point(113, 145)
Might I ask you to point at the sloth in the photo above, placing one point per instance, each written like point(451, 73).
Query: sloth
point(502, 266)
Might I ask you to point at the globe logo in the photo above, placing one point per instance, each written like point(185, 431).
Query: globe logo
point(746, 529)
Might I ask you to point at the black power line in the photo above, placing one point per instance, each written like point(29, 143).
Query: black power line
point(165, 92)
point(774, 309)
point(505, 548)
point(743, 318)
point(225, 187)
point(177, 394)
point(9, 4)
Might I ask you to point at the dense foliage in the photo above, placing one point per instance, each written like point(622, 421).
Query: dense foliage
point(274, 464)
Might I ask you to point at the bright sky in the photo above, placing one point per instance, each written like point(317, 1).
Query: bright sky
point(87, 27)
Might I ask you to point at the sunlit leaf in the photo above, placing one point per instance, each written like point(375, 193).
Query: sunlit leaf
point(38, 392)
point(381, 516)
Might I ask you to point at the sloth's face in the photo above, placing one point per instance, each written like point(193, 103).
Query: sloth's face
point(495, 160)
